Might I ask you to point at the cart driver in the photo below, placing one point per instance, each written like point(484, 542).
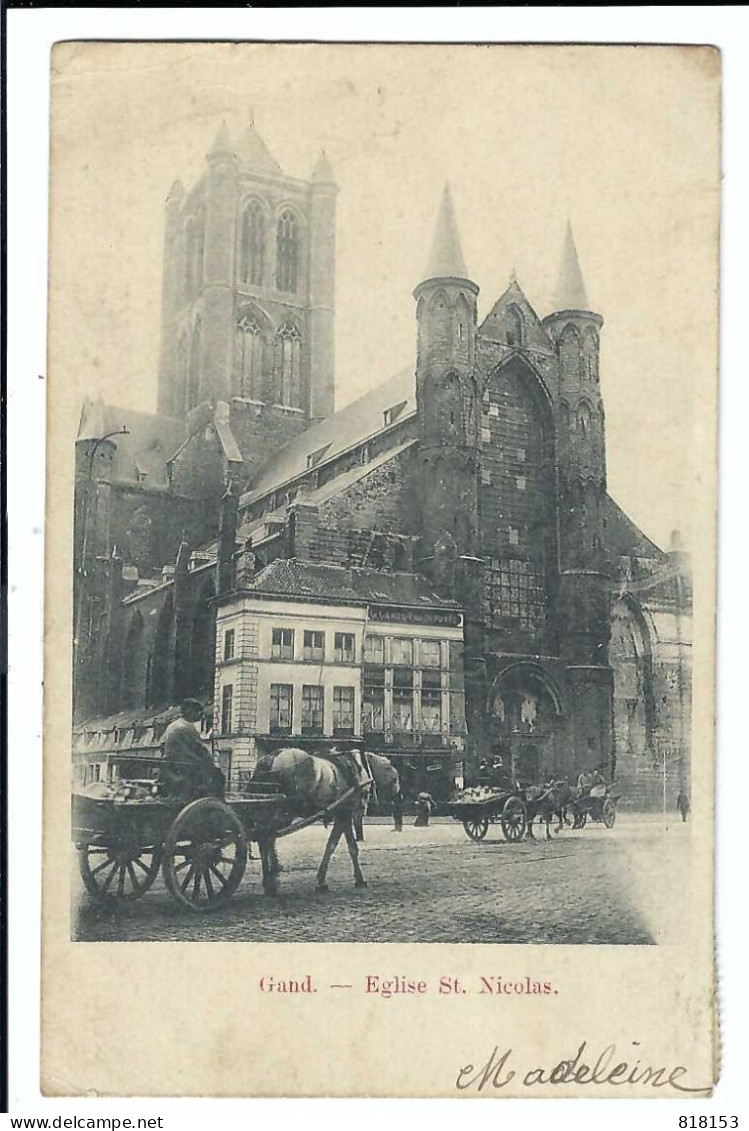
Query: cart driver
point(590, 780)
point(189, 768)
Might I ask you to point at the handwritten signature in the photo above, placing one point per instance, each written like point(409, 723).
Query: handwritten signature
point(496, 1073)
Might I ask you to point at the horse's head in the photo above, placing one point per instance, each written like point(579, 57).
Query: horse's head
point(386, 777)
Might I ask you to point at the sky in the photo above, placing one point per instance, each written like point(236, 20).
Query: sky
point(621, 141)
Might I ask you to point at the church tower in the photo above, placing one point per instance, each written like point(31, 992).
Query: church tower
point(584, 589)
point(248, 291)
point(447, 401)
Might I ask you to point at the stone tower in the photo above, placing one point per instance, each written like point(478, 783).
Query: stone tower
point(584, 596)
point(447, 401)
point(248, 289)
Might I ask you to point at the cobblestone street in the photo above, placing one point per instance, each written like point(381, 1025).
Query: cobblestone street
point(434, 885)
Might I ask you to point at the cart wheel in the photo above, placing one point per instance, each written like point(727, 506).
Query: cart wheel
point(121, 871)
point(581, 819)
point(514, 819)
point(609, 813)
point(476, 827)
point(205, 855)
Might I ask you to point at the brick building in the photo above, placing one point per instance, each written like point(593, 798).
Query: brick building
point(458, 508)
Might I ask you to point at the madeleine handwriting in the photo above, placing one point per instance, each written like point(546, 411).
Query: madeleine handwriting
point(496, 1073)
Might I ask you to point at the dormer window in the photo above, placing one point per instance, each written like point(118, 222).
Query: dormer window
point(391, 414)
point(314, 457)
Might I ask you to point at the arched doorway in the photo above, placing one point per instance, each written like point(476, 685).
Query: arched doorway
point(525, 723)
point(630, 660)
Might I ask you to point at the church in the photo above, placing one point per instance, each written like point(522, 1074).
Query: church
point(436, 570)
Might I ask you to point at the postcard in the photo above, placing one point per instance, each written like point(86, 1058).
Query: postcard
point(381, 510)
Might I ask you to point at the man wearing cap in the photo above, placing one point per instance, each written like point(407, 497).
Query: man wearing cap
point(189, 767)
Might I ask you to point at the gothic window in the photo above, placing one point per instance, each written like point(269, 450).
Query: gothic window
point(571, 354)
point(564, 429)
point(513, 326)
point(514, 590)
point(591, 355)
point(252, 255)
point(289, 365)
point(251, 349)
point(194, 251)
point(287, 252)
point(134, 666)
point(584, 418)
point(193, 375)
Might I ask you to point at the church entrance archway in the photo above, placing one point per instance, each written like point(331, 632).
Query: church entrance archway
point(525, 724)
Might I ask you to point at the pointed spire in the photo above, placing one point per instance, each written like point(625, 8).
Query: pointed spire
point(222, 144)
point(323, 171)
point(446, 260)
point(570, 293)
point(176, 192)
point(254, 153)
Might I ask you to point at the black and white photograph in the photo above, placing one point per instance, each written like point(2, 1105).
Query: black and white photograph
point(388, 375)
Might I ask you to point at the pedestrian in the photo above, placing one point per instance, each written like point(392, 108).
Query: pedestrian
point(425, 804)
point(398, 810)
point(682, 804)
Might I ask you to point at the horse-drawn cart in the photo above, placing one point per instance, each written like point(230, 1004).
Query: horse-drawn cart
point(200, 847)
point(479, 808)
point(598, 805)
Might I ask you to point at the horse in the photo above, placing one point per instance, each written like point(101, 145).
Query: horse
point(313, 784)
point(547, 801)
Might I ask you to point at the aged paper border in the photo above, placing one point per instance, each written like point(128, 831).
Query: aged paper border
point(216, 1004)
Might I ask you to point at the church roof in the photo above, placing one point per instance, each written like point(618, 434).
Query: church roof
point(141, 455)
point(254, 153)
point(446, 259)
point(570, 293)
point(294, 578)
point(622, 538)
point(351, 425)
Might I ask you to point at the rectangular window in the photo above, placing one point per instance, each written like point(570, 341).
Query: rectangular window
point(312, 709)
point(94, 771)
point(229, 644)
point(373, 703)
point(431, 653)
point(374, 649)
point(521, 455)
point(282, 644)
point(343, 711)
point(431, 702)
point(343, 648)
point(513, 536)
point(403, 701)
point(486, 435)
point(227, 702)
point(520, 482)
point(402, 651)
point(314, 646)
point(281, 701)
point(486, 477)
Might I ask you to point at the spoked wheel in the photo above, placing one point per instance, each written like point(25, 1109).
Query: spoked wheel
point(581, 818)
point(514, 819)
point(205, 855)
point(476, 827)
point(609, 813)
point(121, 871)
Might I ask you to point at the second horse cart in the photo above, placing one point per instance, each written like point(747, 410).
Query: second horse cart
point(480, 809)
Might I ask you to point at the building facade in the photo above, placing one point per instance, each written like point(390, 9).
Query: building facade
point(463, 503)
